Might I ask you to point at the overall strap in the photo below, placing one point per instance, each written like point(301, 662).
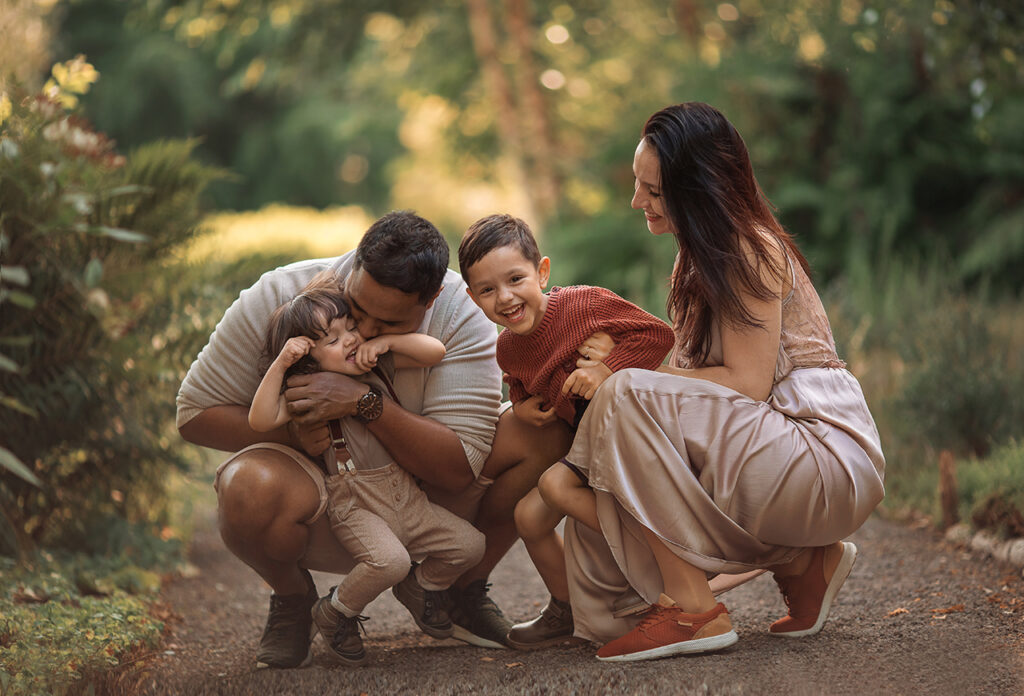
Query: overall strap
point(338, 443)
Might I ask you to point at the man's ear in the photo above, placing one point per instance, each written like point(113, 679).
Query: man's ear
point(430, 303)
point(544, 271)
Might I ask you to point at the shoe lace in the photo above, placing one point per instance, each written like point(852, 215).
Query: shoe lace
point(475, 596)
point(651, 617)
point(785, 587)
point(346, 627)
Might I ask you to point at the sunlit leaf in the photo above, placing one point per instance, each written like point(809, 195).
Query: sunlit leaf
point(93, 272)
point(14, 274)
point(13, 464)
point(16, 405)
point(119, 234)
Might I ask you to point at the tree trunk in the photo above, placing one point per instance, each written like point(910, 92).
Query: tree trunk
point(538, 143)
point(496, 83)
point(948, 496)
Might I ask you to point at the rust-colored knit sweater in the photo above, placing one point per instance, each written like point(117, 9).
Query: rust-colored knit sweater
point(539, 363)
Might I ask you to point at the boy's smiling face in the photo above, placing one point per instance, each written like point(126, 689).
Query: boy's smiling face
point(509, 288)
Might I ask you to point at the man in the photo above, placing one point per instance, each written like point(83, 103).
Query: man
point(271, 493)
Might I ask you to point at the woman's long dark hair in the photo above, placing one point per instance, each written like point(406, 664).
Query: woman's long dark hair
point(307, 314)
point(720, 215)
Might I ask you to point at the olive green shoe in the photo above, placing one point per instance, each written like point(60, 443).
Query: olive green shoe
point(553, 626)
point(289, 631)
point(477, 619)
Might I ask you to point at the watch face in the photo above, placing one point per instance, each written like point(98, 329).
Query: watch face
point(370, 405)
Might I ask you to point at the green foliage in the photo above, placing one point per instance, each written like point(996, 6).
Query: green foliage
point(65, 618)
point(89, 232)
point(962, 385)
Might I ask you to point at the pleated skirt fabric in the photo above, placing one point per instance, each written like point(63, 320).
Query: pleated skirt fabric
point(728, 483)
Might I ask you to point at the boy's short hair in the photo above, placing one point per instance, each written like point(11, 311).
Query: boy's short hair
point(494, 232)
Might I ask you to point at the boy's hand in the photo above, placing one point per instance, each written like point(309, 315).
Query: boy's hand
point(584, 381)
point(368, 352)
point(530, 411)
point(595, 349)
point(294, 349)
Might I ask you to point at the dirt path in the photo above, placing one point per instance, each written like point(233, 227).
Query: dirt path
point(915, 617)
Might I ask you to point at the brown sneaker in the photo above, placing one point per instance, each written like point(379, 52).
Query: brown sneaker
point(809, 595)
point(554, 625)
point(667, 630)
point(340, 632)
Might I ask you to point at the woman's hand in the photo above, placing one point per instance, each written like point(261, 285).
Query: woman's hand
point(595, 349)
point(584, 381)
point(530, 411)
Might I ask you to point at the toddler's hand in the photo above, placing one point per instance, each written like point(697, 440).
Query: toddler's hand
point(368, 352)
point(595, 349)
point(530, 411)
point(294, 349)
point(584, 381)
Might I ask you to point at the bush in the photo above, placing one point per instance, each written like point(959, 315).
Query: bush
point(95, 314)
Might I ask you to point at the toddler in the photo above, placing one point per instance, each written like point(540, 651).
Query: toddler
point(376, 509)
point(553, 364)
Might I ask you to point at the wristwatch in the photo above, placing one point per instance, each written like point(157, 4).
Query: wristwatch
point(370, 405)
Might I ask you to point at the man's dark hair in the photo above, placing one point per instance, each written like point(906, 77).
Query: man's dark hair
point(402, 250)
point(494, 232)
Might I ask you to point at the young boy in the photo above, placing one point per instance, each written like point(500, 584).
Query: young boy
point(553, 364)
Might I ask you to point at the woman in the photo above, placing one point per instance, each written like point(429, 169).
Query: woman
point(753, 448)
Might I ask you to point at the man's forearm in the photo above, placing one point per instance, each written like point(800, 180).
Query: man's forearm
point(227, 428)
point(424, 447)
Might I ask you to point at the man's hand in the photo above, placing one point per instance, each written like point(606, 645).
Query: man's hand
point(595, 349)
point(319, 397)
point(584, 381)
point(313, 439)
point(529, 411)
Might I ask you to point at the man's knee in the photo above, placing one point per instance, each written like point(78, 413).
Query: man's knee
point(262, 489)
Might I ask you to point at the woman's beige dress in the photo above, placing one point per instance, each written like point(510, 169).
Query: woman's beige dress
point(730, 484)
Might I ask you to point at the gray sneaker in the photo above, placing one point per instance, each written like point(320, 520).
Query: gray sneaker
point(477, 619)
point(553, 626)
point(289, 631)
point(426, 606)
point(340, 632)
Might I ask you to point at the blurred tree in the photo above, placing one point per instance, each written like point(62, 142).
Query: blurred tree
point(874, 126)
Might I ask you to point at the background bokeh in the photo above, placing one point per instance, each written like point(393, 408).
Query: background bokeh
point(180, 148)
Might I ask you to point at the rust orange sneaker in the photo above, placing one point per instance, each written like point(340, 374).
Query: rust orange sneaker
point(809, 595)
point(666, 630)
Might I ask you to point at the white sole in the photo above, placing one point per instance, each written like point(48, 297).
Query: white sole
point(842, 571)
point(698, 645)
point(459, 633)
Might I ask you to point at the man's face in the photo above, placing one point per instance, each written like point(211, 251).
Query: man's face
point(379, 309)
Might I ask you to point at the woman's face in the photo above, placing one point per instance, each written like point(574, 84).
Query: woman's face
point(647, 189)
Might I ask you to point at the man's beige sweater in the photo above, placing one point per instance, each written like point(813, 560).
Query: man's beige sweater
point(463, 391)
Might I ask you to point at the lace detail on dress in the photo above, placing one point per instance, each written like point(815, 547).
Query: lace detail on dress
point(806, 339)
point(806, 333)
